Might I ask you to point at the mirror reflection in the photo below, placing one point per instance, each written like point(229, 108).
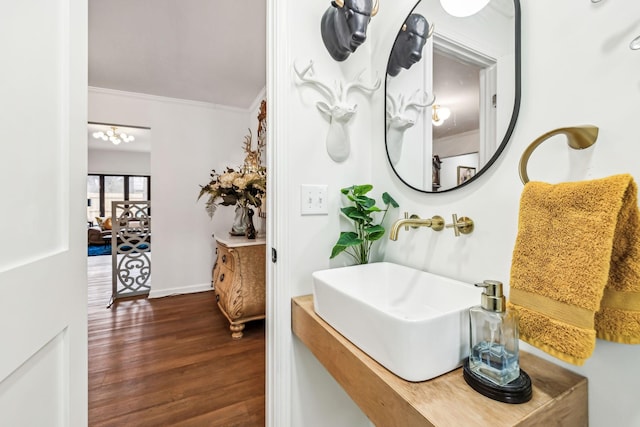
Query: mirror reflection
point(452, 93)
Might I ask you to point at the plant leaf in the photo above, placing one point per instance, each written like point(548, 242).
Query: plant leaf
point(349, 238)
point(203, 190)
point(351, 197)
point(355, 214)
point(364, 201)
point(359, 190)
point(337, 250)
point(374, 232)
point(388, 200)
point(346, 240)
point(347, 189)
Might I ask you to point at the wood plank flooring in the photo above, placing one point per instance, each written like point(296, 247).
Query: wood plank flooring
point(170, 361)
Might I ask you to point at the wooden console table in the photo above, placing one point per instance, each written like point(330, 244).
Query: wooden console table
point(239, 280)
point(559, 395)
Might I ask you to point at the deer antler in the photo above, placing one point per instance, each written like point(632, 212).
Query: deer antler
point(392, 105)
point(359, 84)
point(337, 108)
point(413, 102)
point(400, 106)
point(306, 77)
point(340, 95)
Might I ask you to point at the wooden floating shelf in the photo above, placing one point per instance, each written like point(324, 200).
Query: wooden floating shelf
point(559, 395)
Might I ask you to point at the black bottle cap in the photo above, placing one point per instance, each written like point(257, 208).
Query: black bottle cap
point(517, 391)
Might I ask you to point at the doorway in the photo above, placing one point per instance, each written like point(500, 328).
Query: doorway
point(464, 82)
point(118, 172)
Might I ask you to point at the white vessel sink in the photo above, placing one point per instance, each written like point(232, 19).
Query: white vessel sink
point(415, 324)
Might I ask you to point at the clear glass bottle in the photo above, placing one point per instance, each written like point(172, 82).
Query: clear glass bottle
point(494, 337)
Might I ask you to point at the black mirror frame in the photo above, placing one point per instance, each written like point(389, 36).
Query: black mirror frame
point(514, 116)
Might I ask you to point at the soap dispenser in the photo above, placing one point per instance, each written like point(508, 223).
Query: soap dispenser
point(494, 337)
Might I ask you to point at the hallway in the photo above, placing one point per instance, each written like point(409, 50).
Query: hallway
point(170, 361)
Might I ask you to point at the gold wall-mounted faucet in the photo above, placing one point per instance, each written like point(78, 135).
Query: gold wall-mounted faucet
point(436, 223)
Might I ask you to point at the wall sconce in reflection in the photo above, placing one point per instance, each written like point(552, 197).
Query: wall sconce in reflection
point(463, 8)
point(439, 114)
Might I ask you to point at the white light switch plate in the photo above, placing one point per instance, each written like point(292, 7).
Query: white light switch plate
point(313, 200)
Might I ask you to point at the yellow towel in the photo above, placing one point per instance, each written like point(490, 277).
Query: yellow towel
point(575, 271)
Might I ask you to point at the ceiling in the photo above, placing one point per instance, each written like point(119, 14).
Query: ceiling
point(201, 50)
point(456, 85)
point(456, 81)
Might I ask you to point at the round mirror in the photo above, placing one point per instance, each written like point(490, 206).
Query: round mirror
point(452, 93)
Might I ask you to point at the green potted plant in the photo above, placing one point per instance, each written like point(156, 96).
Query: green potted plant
point(361, 212)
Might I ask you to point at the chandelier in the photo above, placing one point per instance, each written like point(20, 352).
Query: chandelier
point(439, 114)
point(113, 135)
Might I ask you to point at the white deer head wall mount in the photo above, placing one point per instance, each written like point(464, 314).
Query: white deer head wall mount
point(337, 108)
point(400, 118)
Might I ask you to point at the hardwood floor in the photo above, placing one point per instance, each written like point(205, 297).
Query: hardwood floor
point(170, 361)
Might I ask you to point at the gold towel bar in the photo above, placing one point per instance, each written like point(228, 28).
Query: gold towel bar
point(578, 138)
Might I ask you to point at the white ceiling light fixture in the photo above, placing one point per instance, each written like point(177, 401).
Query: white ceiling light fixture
point(463, 8)
point(113, 135)
point(439, 114)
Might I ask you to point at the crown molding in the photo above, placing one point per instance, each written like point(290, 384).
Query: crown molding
point(165, 99)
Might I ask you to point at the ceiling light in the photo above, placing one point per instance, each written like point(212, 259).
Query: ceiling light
point(113, 135)
point(463, 8)
point(439, 114)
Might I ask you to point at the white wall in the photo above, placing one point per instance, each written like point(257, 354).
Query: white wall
point(455, 145)
point(449, 171)
point(188, 140)
point(568, 76)
point(119, 162)
point(576, 69)
point(310, 397)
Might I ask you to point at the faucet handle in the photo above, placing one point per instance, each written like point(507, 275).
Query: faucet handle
point(462, 225)
point(413, 216)
point(406, 216)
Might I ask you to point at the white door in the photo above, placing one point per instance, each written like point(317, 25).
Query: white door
point(43, 286)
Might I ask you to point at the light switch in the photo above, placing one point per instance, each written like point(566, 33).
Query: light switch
point(313, 200)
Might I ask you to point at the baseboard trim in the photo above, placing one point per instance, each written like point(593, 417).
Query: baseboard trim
point(178, 291)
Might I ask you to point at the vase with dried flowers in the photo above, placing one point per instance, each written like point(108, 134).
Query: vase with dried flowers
point(243, 187)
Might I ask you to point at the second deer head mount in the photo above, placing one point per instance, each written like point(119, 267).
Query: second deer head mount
point(337, 108)
point(402, 113)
